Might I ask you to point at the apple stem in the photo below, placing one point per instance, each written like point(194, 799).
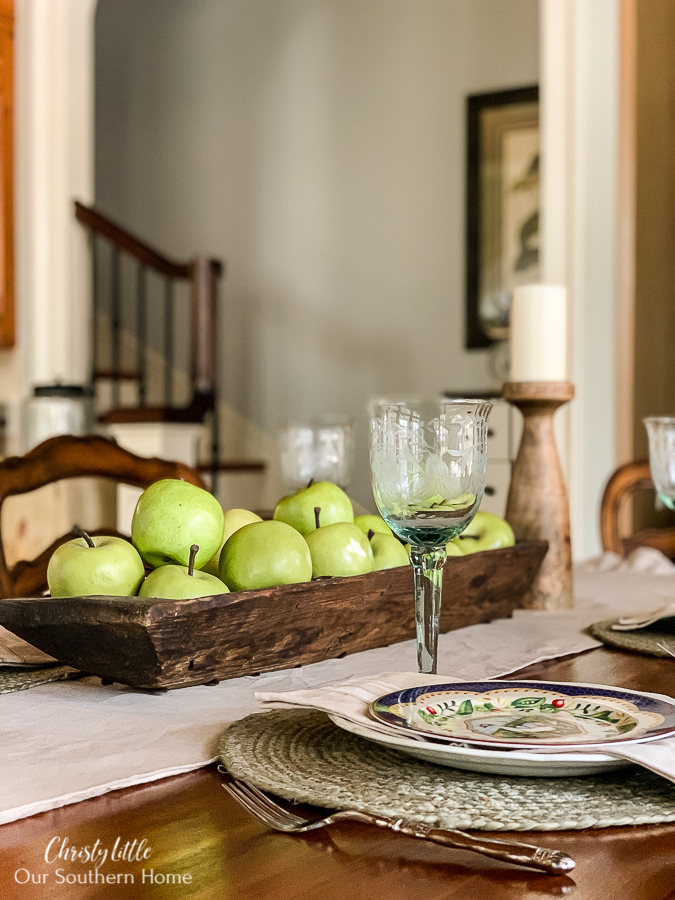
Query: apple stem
point(310, 482)
point(194, 550)
point(83, 534)
point(317, 516)
point(370, 534)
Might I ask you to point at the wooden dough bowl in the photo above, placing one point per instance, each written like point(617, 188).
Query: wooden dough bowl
point(162, 644)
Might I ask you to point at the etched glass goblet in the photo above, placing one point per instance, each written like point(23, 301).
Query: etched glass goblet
point(428, 458)
point(321, 449)
point(661, 433)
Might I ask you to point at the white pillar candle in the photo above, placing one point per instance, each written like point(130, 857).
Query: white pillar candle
point(538, 333)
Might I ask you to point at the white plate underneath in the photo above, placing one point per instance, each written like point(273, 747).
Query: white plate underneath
point(495, 762)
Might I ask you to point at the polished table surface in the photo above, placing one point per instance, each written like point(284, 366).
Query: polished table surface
point(197, 834)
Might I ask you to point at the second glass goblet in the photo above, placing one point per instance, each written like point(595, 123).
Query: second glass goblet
point(428, 458)
point(661, 433)
point(321, 449)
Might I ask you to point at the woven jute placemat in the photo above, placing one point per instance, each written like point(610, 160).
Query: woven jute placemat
point(301, 756)
point(20, 679)
point(645, 640)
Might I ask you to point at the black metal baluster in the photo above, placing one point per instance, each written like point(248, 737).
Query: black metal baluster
point(168, 342)
point(215, 445)
point(115, 317)
point(141, 321)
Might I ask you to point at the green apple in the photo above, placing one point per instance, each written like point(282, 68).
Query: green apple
point(388, 551)
point(452, 549)
point(264, 554)
point(486, 532)
point(234, 520)
point(172, 582)
point(339, 549)
point(102, 565)
point(297, 509)
point(460, 502)
point(170, 516)
point(372, 523)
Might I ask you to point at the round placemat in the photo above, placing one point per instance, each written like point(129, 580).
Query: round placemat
point(644, 640)
point(18, 679)
point(301, 756)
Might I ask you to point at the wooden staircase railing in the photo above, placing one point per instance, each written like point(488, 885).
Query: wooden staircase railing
point(125, 321)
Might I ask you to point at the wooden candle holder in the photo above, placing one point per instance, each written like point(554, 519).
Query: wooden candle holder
point(537, 506)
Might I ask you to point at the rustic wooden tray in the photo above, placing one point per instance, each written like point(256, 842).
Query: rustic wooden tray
point(160, 644)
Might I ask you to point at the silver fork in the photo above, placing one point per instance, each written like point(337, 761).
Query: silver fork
point(665, 647)
point(274, 816)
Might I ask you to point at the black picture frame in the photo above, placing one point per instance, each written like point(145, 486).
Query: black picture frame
point(496, 122)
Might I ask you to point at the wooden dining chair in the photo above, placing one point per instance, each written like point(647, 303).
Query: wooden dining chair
point(64, 457)
point(626, 479)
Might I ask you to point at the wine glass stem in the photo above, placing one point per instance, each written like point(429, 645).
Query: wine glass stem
point(428, 576)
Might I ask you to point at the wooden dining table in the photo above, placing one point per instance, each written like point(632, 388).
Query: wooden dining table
point(184, 837)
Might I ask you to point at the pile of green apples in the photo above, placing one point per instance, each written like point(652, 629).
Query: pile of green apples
point(183, 545)
point(195, 549)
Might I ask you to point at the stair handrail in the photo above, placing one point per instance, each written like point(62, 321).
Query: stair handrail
point(203, 274)
point(125, 240)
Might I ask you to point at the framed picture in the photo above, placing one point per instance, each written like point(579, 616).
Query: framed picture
point(502, 211)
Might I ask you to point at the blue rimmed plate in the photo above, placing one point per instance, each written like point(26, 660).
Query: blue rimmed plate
point(492, 760)
point(527, 714)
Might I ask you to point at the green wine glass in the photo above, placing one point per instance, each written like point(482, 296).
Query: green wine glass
point(428, 459)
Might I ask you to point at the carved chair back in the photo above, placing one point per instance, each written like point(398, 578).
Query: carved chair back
point(625, 480)
point(68, 456)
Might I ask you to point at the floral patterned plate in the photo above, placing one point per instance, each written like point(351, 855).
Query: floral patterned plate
point(527, 714)
point(492, 760)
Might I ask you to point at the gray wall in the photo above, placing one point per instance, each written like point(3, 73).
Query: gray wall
point(317, 146)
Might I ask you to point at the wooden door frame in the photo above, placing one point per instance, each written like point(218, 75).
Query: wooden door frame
point(625, 289)
point(7, 318)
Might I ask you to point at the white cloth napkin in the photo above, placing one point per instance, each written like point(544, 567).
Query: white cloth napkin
point(658, 756)
point(350, 699)
point(647, 560)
